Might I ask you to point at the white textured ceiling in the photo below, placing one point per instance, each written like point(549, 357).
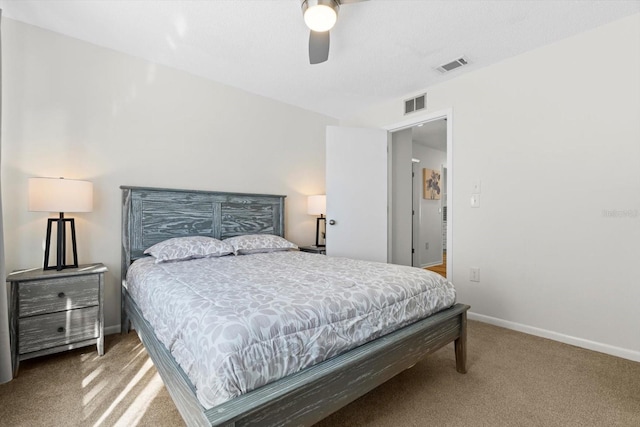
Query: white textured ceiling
point(380, 49)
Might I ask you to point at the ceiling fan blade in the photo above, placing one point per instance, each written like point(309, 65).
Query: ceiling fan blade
point(318, 47)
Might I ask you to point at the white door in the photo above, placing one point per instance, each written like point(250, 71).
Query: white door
point(357, 186)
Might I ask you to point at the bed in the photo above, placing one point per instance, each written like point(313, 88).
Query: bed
point(151, 215)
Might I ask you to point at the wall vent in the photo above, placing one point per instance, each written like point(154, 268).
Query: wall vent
point(415, 104)
point(457, 63)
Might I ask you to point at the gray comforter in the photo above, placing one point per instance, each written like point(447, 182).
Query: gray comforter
point(236, 323)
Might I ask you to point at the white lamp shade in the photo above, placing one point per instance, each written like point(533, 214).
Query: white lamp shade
point(320, 15)
point(317, 205)
point(60, 195)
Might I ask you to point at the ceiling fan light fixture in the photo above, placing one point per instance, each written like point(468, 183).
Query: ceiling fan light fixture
point(320, 15)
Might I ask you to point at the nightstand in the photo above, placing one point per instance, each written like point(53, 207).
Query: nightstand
point(53, 311)
point(314, 249)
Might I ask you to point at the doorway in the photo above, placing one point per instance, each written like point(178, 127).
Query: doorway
point(419, 233)
point(441, 268)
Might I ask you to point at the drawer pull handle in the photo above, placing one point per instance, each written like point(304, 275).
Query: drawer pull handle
point(61, 295)
point(60, 329)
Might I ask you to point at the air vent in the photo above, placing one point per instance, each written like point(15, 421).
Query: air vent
point(453, 65)
point(415, 104)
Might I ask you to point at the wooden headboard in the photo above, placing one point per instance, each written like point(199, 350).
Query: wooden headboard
point(151, 215)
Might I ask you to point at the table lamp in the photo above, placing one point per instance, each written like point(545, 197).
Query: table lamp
point(317, 205)
point(60, 195)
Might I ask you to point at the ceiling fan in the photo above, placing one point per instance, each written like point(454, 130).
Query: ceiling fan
point(320, 16)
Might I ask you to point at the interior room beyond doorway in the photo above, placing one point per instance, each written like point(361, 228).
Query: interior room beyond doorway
point(418, 195)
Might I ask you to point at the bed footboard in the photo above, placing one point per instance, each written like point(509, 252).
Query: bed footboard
point(313, 394)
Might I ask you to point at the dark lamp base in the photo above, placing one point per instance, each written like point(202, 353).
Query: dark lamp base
point(322, 218)
point(61, 246)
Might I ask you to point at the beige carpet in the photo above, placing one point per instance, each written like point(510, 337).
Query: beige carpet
point(513, 380)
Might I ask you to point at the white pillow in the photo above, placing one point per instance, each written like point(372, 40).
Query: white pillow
point(184, 248)
point(256, 243)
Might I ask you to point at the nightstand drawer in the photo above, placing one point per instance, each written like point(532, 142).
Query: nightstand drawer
point(58, 294)
point(50, 330)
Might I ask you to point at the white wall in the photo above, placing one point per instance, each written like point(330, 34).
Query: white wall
point(554, 136)
point(80, 111)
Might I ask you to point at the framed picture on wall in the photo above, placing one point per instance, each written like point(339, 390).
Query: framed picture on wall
point(431, 180)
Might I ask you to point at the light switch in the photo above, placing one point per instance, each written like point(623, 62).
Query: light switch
point(475, 200)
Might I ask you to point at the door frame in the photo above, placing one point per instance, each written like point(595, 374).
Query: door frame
point(416, 119)
point(416, 217)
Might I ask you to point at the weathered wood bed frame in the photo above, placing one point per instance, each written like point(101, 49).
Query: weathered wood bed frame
point(150, 215)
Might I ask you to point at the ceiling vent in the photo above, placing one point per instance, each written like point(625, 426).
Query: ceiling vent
point(453, 65)
point(415, 104)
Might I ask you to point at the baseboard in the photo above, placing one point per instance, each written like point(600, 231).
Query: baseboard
point(110, 330)
point(567, 339)
point(432, 264)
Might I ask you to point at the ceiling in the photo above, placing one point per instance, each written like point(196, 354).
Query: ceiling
point(432, 134)
point(380, 49)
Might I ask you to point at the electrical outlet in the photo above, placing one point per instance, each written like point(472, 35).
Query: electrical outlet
point(426, 245)
point(475, 200)
point(474, 274)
